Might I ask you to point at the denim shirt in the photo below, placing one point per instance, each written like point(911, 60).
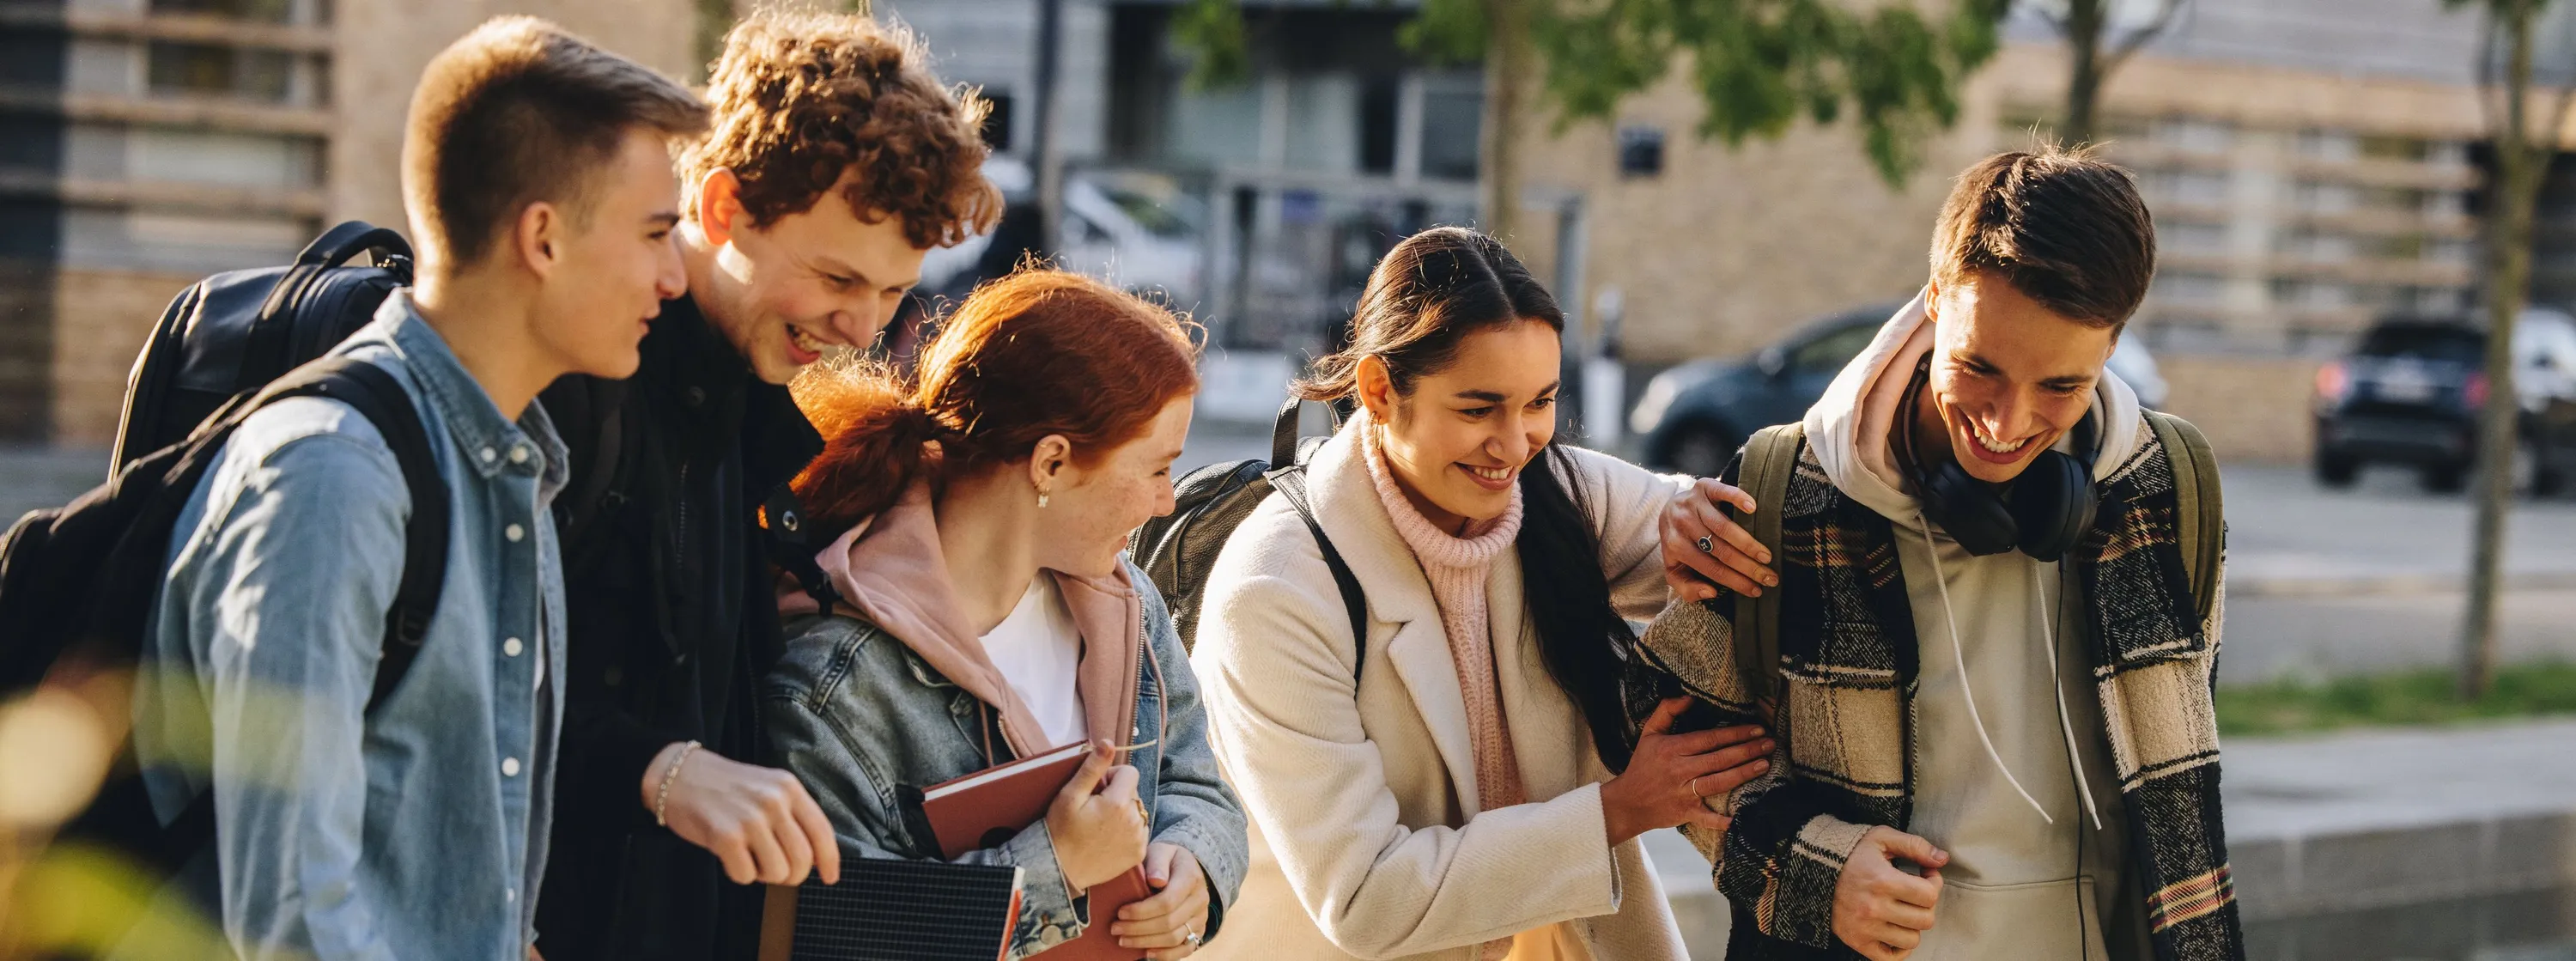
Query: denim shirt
point(857, 715)
point(414, 831)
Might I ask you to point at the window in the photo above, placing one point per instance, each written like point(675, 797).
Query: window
point(997, 122)
point(2192, 237)
point(1641, 151)
point(2392, 148)
point(2311, 294)
point(1378, 102)
point(208, 69)
point(2332, 145)
point(1827, 354)
point(2426, 342)
point(1451, 123)
point(2325, 198)
point(2194, 135)
point(2188, 287)
point(2316, 246)
point(2198, 188)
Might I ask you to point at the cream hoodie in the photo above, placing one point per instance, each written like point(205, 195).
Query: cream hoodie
point(2013, 888)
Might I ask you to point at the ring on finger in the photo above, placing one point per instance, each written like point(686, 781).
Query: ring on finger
point(1694, 788)
point(1194, 937)
point(1143, 816)
point(1706, 543)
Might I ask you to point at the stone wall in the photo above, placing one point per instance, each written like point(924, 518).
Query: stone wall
point(105, 317)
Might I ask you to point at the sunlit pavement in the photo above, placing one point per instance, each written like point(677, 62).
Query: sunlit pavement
point(2456, 844)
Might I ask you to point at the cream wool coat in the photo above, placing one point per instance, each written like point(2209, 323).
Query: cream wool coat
point(1359, 801)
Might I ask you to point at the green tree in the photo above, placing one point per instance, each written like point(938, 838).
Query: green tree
point(1759, 65)
point(2523, 149)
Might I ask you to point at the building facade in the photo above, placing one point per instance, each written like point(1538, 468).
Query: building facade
point(146, 143)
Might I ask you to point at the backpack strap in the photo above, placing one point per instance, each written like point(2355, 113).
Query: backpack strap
point(376, 395)
point(1770, 458)
point(2200, 509)
point(1290, 482)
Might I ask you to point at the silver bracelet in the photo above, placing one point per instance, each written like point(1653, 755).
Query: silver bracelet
point(663, 796)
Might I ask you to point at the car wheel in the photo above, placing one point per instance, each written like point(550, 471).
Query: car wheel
point(2445, 478)
point(2336, 470)
point(1701, 450)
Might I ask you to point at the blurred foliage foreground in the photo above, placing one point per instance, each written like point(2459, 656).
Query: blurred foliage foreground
point(2420, 697)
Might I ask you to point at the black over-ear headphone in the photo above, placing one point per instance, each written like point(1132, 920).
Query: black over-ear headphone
point(2043, 512)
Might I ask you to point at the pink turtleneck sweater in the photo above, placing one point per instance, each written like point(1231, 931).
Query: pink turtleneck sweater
point(1458, 568)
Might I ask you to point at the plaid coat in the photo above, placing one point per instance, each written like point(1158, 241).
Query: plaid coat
point(1844, 715)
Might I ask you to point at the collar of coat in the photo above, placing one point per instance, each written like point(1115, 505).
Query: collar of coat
point(1849, 664)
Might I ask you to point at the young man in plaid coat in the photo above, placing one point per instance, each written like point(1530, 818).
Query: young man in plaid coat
point(1992, 696)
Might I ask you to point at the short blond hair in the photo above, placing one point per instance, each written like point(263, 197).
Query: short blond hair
point(517, 112)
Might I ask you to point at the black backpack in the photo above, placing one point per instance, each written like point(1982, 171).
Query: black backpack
point(1177, 549)
point(77, 582)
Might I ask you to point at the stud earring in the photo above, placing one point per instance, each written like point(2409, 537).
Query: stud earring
point(1042, 499)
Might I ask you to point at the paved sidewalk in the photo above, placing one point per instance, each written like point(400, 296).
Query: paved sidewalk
point(2456, 844)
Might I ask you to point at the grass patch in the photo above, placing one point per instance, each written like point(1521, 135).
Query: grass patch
point(2402, 697)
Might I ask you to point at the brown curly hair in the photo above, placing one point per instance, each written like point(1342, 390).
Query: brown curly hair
point(803, 97)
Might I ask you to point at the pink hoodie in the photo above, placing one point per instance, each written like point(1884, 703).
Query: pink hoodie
point(890, 572)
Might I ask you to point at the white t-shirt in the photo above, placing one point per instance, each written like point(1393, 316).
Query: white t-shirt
point(1039, 651)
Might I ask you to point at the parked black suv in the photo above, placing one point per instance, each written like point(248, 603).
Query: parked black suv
point(1692, 417)
point(2410, 393)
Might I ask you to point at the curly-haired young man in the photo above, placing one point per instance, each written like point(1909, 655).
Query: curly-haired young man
point(836, 160)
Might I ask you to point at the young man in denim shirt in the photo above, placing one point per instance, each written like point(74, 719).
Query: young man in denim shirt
point(537, 176)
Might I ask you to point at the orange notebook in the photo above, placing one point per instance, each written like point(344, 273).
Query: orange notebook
point(987, 808)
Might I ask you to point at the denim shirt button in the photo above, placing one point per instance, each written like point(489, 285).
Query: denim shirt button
point(509, 767)
point(488, 455)
point(515, 533)
point(512, 647)
point(519, 454)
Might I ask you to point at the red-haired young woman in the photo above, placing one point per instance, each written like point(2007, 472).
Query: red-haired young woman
point(986, 613)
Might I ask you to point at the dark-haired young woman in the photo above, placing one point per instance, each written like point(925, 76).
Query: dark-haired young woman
point(1465, 787)
point(986, 613)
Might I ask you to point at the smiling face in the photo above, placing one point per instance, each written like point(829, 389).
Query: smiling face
point(2009, 376)
point(1091, 509)
point(1457, 440)
point(617, 262)
point(784, 292)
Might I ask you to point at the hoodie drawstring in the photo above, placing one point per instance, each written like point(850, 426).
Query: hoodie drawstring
point(1952, 622)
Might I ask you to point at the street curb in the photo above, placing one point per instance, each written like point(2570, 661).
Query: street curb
point(2389, 585)
point(2301, 874)
point(2445, 888)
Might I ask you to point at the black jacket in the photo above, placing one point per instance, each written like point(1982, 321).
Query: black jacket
point(672, 626)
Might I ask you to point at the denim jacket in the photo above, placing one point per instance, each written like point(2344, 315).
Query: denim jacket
point(856, 714)
point(415, 831)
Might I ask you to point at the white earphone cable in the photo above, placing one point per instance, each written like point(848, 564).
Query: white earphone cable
point(1960, 653)
point(2048, 636)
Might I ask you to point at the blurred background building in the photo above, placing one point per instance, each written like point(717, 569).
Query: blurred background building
point(146, 143)
point(2312, 164)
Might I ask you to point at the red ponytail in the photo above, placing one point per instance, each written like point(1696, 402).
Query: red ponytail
point(1035, 353)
